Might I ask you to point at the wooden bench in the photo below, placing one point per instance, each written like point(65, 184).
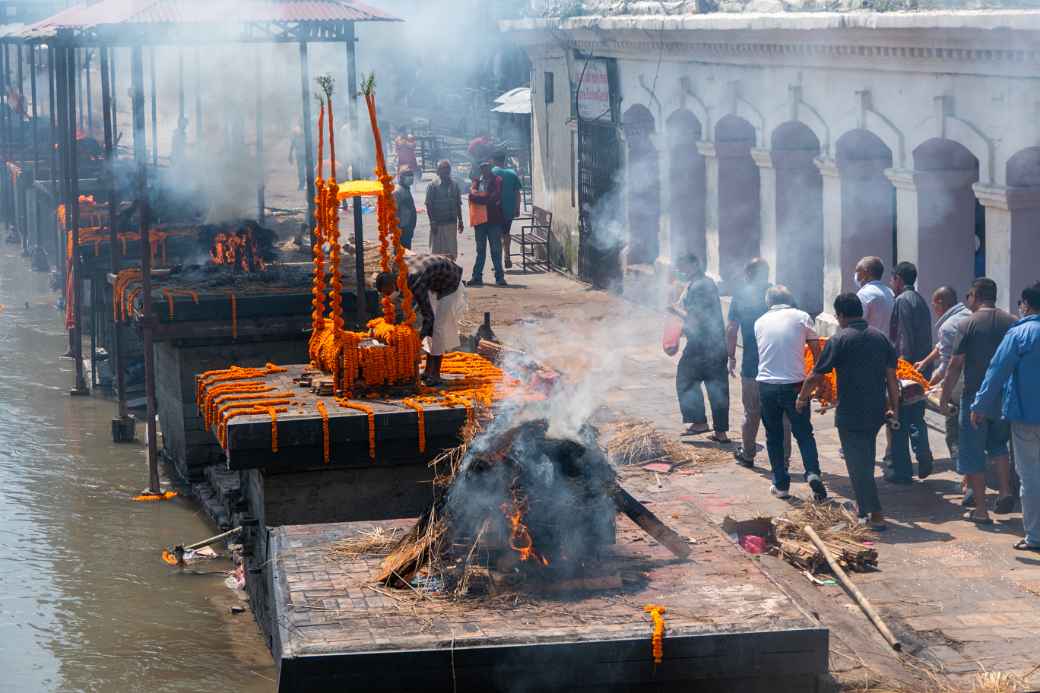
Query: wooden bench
point(535, 234)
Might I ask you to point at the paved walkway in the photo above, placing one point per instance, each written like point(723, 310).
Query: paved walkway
point(961, 598)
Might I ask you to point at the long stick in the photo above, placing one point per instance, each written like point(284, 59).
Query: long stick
point(864, 604)
point(650, 523)
point(213, 540)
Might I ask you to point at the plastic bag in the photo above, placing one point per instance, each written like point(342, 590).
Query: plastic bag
point(672, 335)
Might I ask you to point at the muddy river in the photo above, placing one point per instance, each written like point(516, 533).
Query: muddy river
point(86, 604)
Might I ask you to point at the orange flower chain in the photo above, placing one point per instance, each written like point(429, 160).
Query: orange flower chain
point(324, 430)
point(358, 406)
point(656, 612)
point(418, 407)
point(169, 294)
point(827, 392)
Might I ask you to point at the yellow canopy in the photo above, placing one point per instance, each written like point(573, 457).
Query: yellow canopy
point(360, 188)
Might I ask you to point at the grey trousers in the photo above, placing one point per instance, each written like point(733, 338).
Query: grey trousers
point(860, 452)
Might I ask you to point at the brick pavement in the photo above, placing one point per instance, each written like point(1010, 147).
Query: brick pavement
point(958, 594)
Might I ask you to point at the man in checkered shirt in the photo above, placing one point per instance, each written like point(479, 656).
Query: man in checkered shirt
point(436, 285)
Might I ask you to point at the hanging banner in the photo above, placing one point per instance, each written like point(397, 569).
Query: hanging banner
point(594, 90)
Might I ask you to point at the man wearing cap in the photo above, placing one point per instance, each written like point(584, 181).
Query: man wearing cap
point(406, 213)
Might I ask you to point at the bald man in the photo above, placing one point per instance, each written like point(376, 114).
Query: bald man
point(444, 208)
point(877, 298)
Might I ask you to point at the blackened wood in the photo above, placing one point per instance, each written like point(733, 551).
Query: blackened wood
point(651, 524)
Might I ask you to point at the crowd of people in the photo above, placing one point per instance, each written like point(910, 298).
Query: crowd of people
point(984, 362)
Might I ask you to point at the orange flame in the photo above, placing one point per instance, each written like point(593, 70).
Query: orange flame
point(237, 249)
point(520, 539)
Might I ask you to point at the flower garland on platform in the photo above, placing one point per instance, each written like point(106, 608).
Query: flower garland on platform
point(358, 406)
point(207, 379)
point(324, 430)
point(418, 407)
point(656, 612)
point(332, 349)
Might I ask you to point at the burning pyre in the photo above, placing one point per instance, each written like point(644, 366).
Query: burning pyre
point(243, 246)
point(520, 506)
point(520, 503)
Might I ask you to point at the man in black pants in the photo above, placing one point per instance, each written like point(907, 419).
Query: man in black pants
point(866, 364)
point(703, 361)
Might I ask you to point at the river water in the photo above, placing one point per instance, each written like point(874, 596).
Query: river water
point(86, 604)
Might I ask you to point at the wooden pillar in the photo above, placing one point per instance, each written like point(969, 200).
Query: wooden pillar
point(141, 160)
point(359, 220)
point(308, 139)
point(72, 217)
point(261, 203)
point(155, 106)
point(89, 58)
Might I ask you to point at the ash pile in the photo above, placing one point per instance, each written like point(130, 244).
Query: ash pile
point(519, 509)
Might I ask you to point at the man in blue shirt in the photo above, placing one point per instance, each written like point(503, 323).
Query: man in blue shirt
point(1011, 390)
point(510, 201)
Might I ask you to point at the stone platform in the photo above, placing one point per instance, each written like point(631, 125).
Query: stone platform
point(728, 627)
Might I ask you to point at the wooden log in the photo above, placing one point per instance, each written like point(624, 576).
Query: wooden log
point(850, 586)
point(641, 515)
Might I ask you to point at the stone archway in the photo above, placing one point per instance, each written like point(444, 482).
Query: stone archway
point(868, 202)
point(951, 230)
point(686, 186)
point(799, 214)
point(642, 186)
point(1012, 220)
point(739, 205)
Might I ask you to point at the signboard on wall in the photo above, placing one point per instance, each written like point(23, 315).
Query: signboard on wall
point(593, 80)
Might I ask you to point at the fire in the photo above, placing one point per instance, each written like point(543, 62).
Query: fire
point(520, 539)
point(239, 249)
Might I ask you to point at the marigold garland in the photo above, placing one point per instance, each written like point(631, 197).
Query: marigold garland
point(324, 430)
point(827, 392)
point(414, 404)
point(370, 412)
point(656, 612)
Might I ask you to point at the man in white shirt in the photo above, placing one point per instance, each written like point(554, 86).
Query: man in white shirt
point(877, 297)
point(782, 335)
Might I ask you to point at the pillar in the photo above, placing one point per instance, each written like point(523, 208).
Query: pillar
point(835, 267)
point(768, 241)
point(936, 222)
point(1012, 240)
point(711, 208)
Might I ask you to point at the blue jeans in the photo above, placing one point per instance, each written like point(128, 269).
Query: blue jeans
point(488, 234)
point(1025, 438)
point(912, 433)
point(778, 401)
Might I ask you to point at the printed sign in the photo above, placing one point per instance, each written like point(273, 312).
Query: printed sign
point(593, 90)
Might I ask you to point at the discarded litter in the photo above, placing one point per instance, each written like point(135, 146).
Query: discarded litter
point(753, 544)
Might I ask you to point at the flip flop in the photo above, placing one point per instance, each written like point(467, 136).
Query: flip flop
point(691, 431)
point(970, 517)
point(1023, 546)
point(721, 441)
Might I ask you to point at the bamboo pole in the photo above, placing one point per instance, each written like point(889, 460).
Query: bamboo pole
point(850, 586)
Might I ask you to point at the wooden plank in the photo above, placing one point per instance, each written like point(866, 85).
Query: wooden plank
point(389, 453)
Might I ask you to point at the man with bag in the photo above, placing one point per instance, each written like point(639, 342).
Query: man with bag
point(485, 207)
point(703, 361)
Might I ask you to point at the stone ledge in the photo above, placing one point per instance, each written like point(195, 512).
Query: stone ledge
point(1016, 20)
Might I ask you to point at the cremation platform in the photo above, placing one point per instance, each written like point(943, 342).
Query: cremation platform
point(295, 485)
point(728, 628)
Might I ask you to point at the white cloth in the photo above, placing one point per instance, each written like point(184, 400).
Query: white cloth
point(878, 301)
point(447, 312)
point(781, 335)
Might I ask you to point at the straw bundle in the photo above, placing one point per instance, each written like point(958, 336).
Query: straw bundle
point(837, 527)
point(636, 441)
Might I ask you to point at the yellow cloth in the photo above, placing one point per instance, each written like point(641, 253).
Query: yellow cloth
point(360, 188)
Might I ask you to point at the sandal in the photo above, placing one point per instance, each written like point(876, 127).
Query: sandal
point(971, 517)
point(1023, 546)
point(715, 438)
point(696, 429)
